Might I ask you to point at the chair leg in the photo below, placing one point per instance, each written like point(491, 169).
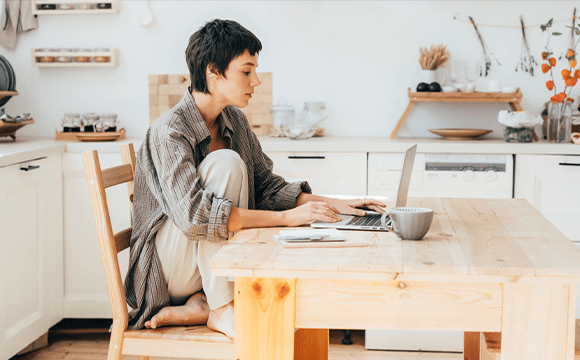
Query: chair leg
point(471, 345)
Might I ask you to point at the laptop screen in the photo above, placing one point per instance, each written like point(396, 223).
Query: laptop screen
point(406, 172)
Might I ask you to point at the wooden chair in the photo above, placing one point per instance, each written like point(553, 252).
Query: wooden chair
point(173, 341)
point(487, 346)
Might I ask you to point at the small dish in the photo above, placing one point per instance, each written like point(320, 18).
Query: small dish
point(487, 91)
point(98, 137)
point(460, 134)
point(509, 89)
point(448, 89)
point(461, 87)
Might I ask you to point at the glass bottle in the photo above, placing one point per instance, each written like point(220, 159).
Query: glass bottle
point(559, 127)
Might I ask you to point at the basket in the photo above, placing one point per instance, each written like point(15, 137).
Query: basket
point(9, 129)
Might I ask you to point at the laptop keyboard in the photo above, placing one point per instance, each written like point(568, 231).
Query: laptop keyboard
point(368, 220)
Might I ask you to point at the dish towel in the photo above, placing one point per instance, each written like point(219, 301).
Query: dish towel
point(17, 17)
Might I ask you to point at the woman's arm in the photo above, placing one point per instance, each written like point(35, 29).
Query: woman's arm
point(304, 214)
point(350, 207)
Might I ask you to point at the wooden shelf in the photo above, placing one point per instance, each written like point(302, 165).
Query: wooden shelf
point(513, 99)
point(3, 94)
point(76, 11)
point(113, 55)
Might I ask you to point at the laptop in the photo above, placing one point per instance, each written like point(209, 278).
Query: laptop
point(372, 220)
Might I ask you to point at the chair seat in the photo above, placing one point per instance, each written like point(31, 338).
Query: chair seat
point(178, 341)
point(493, 342)
point(189, 333)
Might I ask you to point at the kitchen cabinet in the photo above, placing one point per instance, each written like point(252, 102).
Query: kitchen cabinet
point(551, 183)
point(85, 293)
point(31, 260)
point(328, 173)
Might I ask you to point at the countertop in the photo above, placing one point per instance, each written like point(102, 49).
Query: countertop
point(26, 148)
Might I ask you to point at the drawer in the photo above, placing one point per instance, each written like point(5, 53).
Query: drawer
point(327, 173)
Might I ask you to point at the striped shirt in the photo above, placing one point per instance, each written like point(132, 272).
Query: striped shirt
point(167, 186)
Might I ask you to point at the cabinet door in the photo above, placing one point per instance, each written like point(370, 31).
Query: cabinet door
point(85, 286)
point(552, 185)
point(31, 284)
point(327, 173)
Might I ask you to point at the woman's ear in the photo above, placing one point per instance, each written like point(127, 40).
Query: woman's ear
point(211, 71)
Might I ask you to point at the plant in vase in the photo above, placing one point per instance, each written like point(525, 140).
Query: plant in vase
point(559, 110)
point(431, 60)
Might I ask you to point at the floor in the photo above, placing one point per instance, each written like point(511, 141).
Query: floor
point(94, 347)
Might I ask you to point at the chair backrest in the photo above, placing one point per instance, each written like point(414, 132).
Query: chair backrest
point(111, 244)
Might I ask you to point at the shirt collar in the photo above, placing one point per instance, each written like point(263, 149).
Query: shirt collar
point(193, 116)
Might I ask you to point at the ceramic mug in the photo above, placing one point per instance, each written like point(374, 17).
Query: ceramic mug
point(493, 85)
point(409, 223)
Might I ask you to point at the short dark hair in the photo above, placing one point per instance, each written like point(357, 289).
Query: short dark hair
point(216, 44)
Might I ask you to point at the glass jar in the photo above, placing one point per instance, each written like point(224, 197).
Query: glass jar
point(101, 58)
point(64, 58)
point(66, 6)
point(71, 122)
point(83, 58)
point(559, 121)
point(109, 121)
point(90, 121)
point(282, 114)
point(104, 5)
point(85, 6)
point(47, 57)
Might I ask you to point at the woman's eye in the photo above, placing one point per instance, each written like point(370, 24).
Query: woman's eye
point(247, 73)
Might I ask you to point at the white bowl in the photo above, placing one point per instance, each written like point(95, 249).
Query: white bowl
point(448, 89)
point(509, 89)
point(461, 87)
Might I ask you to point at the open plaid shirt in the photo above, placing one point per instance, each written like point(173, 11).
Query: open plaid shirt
point(167, 185)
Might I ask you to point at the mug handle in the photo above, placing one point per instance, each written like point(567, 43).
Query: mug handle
point(393, 218)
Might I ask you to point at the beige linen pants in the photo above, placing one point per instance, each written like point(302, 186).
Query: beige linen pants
point(185, 263)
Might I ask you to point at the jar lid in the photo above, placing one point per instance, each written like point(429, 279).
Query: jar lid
point(281, 106)
point(72, 115)
point(90, 116)
point(111, 115)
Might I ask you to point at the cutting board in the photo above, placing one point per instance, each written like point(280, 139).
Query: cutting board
point(165, 91)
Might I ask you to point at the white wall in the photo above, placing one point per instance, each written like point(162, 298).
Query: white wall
point(358, 57)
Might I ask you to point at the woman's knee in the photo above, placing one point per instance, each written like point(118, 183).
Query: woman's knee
point(226, 163)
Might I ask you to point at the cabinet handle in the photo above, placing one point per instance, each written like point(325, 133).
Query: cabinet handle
point(306, 157)
point(569, 164)
point(30, 167)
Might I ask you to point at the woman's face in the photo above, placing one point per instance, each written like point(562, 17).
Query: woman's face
point(237, 87)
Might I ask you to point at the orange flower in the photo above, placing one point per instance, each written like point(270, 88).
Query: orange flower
point(570, 99)
point(571, 81)
point(570, 53)
point(572, 63)
point(550, 84)
point(577, 74)
point(559, 98)
point(545, 68)
point(565, 74)
point(552, 61)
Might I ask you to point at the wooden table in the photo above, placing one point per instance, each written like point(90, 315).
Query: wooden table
point(484, 266)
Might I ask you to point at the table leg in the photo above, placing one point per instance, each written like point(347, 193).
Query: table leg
point(311, 344)
point(471, 345)
point(537, 322)
point(265, 311)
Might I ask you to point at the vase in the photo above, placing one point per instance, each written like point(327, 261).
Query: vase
point(559, 121)
point(431, 76)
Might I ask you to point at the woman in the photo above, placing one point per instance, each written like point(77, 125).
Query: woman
point(200, 176)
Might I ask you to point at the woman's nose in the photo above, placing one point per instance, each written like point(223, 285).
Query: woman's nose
point(255, 80)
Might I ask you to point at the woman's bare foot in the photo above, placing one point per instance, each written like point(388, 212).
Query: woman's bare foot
point(194, 312)
point(222, 320)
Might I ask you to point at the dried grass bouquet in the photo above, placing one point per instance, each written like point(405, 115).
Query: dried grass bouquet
point(434, 58)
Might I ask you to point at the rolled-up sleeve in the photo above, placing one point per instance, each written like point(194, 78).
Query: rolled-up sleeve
point(272, 191)
point(193, 209)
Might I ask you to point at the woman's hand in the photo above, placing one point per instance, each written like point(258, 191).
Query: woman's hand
point(356, 206)
point(310, 212)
